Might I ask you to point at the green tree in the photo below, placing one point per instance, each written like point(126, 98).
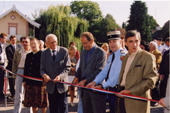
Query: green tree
point(87, 10)
point(57, 20)
point(153, 22)
point(139, 20)
point(101, 27)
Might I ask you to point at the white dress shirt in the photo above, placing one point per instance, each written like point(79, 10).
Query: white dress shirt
point(23, 57)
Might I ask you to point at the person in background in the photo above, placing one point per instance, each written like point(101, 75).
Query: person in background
point(18, 67)
point(155, 91)
point(77, 53)
point(35, 91)
point(72, 73)
point(164, 72)
point(165, 102)
point(144, 45)
point(159, 42)
point(166, 46)
point(10, 50)
point(3, 63)
point(41, 46)
point(105, 47)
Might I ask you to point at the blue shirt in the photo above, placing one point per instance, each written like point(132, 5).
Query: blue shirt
point(113, 78)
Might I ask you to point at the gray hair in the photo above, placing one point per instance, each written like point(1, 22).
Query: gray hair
point(41, 41)
point(154, 44)
point(50, 35)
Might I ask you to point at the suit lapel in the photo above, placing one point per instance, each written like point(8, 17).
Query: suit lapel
point(84, 58)
point(49, 55)
point(123, 67)
point(137, 57)
point(58, 54)
point(12, 49)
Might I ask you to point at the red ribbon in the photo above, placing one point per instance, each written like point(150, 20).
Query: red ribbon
point(94, 89)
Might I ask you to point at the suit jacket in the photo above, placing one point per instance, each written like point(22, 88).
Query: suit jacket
point(10, 54)
point(16, 60)
point(141, 77)
point(167, 98)
point(94, 65)
point(60, 67)
point(0, 51)
point(158, 56)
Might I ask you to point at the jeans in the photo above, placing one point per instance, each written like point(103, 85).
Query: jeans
point(80, 106)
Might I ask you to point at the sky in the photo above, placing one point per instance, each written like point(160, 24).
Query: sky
point(120, 10)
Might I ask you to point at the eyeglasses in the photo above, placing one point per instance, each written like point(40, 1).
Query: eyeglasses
point(24, 42)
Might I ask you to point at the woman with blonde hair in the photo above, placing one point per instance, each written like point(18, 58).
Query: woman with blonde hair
point(72, 73)
point(105, 46)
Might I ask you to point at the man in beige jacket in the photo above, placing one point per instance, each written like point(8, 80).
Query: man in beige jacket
point(138, 75)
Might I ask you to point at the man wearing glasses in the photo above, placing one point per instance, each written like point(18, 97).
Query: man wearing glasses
point(18, 67)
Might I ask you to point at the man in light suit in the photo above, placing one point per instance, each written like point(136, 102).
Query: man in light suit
point(92, 61)
point(138, 75)
point(18, 67)
point(55, 65)
point(10, 50)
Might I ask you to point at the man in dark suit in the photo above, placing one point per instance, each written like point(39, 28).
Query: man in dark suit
point(55, 65)
point(3, 62)
point(164, 73)
point(10, 50)
point(92, 61)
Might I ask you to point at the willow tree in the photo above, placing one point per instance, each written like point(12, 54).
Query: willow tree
point(58, 20)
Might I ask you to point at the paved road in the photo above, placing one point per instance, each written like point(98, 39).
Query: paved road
point(10, 106)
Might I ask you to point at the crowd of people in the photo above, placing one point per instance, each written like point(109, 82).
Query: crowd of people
point(126, 64)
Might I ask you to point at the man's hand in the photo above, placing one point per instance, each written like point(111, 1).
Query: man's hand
point(24, 84)
point(91, 84)
point(161, 102)
point(57, 78)
point(46, 78)
point(81, 83)
point(75, 81)
point(161, 77)
point(98, 86)
point(123, 92)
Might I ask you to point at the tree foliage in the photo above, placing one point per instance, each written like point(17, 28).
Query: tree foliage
point(57, 20)
point(153, 22)
point(87, 10)
point(101, 27)
point(139, 20)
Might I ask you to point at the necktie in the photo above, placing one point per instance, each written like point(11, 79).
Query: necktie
point(88, 55)
point(53, 55)
point(110, 66)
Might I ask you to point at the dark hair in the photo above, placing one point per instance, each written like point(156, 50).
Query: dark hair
point(12, 36)
point(167, 39)
point(2, 35)
point(88, 35)
point(132, 33)
point(24, 37)
point(72, 43)
point(145, 44)
point(159, 39)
